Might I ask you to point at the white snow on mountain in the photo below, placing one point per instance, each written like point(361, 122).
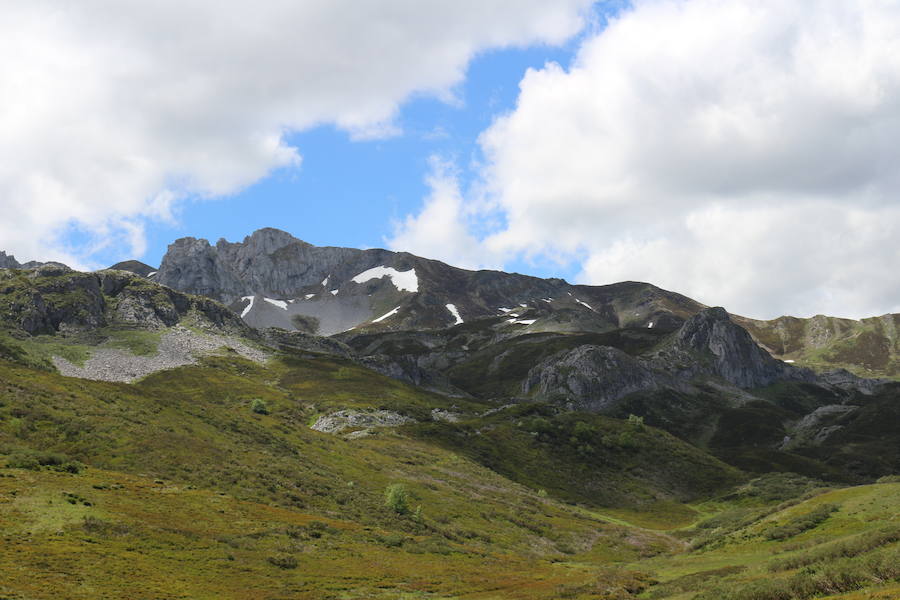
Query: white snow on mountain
point(386, 315)
point(584, 304)
point(279, 303)
point(248, 307)
point(402, 280)
point(455, 313)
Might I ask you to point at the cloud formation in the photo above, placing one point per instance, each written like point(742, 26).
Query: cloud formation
point(740, 152)
point(443, 229)
point(112, 111)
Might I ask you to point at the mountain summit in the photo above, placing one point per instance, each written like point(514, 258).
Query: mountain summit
point(274, 279)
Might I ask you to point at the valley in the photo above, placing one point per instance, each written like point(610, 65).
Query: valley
point(271, 419)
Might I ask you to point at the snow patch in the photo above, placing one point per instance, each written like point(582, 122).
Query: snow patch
point(402, 280)
point(386, 315)
point(249, 306)
point(584, 304)
point(789, 361)
point(650, 325)
point(334, 292)
point(151, 274)
point(524, 305)
point(455, 313)
point(504, 310)
point(325, 281)
point(308, 296)
point(279, 303)
point(521, 321)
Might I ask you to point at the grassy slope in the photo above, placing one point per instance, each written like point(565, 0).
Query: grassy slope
point(193, 428)
point(191, 494)
point(835, 557)
point(868, 347)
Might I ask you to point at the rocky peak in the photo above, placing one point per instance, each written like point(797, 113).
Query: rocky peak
point(8, 261)
point(262, 241)
point(723, 348)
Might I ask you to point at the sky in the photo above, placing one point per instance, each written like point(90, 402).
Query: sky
point(741, 152)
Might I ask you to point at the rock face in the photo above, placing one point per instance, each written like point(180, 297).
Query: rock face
point(590, 377)
point(328, 290)
point(710, 343)
point(337, 422)
point(8, 261)
point(51, 298)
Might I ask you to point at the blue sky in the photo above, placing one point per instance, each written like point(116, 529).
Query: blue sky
point(350, 192)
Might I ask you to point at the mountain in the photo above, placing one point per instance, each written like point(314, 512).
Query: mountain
point(189, 432)
point(134, 266)
point(274, 279)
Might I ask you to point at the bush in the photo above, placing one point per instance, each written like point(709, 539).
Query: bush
point(397, 498)
point(636, 421)
point(802, 523)
point(283, 561)
point(259, 406)
point(34, 460)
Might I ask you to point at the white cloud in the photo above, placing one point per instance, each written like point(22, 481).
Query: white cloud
point(740, 152)
point(112, 111)
point(442, 229)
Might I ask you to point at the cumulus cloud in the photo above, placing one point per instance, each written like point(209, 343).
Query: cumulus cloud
point(442, 230)
point(741, 152)
point(112, 111)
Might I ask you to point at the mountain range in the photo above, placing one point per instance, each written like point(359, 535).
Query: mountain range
point(622, 397)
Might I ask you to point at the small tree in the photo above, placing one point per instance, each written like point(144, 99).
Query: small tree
point(636, 421)
point(397, 498)
point(259, 406)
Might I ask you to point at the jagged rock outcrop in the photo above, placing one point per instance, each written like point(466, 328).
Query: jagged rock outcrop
point(590, 377)
point(344, 289)
point(53, 297)
point(710, 343)
point(8, 261)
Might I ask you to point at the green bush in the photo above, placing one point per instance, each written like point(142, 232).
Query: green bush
point(34, 460)
point(802, 523)
point(283, 561)
point(259, 406)
point(397, 498)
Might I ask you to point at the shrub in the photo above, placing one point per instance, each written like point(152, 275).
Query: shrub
point(802, 523)
point(283, 561)
point(636, 421)
point(259, 406)
point(34, 460)
point(397, 498)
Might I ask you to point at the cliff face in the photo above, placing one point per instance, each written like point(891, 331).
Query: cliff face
point(53, 298)
point(724, 349)
point(328, 290)
point(708, 344)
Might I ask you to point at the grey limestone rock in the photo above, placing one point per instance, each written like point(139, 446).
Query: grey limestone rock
point(590, 377)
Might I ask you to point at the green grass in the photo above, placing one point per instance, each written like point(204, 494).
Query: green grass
point(140, 342)
point(188, 492)
point(854, 549)
point(45, 347)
